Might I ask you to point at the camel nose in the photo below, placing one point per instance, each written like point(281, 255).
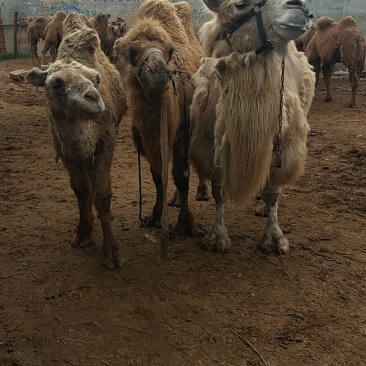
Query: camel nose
point(91, 95)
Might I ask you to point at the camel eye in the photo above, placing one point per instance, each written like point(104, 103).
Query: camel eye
point(97, 80)
point(171, 51)
point(132, 53)
point(56, 83)
point(241, 5)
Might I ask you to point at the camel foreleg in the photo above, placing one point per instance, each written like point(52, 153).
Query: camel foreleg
point(217, 239)
point(153, 220)
point(273, 240)
point(102, 192)
point(81, 185)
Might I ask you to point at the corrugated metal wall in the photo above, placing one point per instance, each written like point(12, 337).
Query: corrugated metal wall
point(28, 9)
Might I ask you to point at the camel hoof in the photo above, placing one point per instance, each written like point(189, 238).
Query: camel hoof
point(81, 243)
point(111, 261)
point(216, 244)
point(328, 99)
point(273, 241)
point(201, 196)
point(186, 225)
point(151, 222)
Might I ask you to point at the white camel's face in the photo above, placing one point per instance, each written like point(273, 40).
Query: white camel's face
point(283, 19)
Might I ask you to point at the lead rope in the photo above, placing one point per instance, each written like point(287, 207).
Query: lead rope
point(279, 143)
point(164, 151)
point(142, 223)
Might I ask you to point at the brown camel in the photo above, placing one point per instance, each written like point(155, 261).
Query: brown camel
point(53, 36)
point(245, 137)
point(36, 31)
point(85, 104)
point(337, 42)
point(157, 57)
point(303, 41)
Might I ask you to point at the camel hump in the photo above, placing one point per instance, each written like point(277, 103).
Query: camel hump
point(348, 21)
point(324, 23)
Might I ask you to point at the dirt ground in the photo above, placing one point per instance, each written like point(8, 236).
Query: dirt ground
point(59, 306)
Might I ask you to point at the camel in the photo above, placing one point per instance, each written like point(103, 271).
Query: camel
point(303, 41)
point(249, 109)
point(156, 58)
point(337, 42)
point(119, 27)
point(85, 103)
point(108, 33)
point(53, 36)
point(36, 31)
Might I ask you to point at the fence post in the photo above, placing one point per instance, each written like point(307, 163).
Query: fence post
point(16, 34)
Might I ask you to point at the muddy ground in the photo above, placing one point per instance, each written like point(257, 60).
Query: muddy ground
point(59, 306)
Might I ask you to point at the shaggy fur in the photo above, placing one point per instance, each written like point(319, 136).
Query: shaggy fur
point(158, 25)
point(36, 31)
point(337, 42)
point(53, 36)
point(86, 102)
point(235, 120)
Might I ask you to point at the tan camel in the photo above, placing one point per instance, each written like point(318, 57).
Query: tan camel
point(249, 114)
point(53, 36)
point(337, 42)
point(36, 31)
point(85, 103)
point(157, 58)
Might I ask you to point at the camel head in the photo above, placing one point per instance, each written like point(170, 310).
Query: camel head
point(283, 20)
point(147, 49)
point(71, 89)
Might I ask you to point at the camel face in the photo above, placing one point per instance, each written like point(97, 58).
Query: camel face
point(283, 20)
point(149, 58)
point(78, 90)
point(154, 71)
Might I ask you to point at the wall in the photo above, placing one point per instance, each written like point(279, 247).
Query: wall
point(126, 8)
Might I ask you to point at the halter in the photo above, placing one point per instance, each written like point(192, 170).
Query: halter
point(137, 69)
point(256, 11)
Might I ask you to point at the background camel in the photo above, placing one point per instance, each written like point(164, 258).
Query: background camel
point(53, 36)
point(85, 102)
point(155, 46)
point(237, 132)
point(335, 42)
point(36, 31)
point(303, 41)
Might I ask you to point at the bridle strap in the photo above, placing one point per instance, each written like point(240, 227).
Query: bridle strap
point(256, 11)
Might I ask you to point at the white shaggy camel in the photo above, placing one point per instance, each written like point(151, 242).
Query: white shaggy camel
point(242, 140)
point(85, 104)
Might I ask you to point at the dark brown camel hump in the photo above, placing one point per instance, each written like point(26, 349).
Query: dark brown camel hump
point(324, 23)
point(347, 21)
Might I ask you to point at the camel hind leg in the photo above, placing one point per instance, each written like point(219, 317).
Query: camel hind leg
point(355, 81)
point(327, 70)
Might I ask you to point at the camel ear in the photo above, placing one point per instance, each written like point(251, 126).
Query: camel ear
point(213, 5)
point(36, 76)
